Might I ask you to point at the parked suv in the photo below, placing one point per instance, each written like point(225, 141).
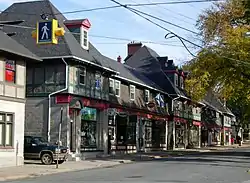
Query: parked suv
point(38, 148)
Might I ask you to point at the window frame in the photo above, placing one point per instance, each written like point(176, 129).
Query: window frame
point(10, 70)
point(79, 75)
point(119, 88)
point(146, 98)
point(5, 123)
point(181, 82)
point(84, 37)
point(100, 77)
point(113, 86)
point(134, 90)
point(176, 79)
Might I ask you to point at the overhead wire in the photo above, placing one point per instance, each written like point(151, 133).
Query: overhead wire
point(100, 36)
point(114, 7)
point(175, 35)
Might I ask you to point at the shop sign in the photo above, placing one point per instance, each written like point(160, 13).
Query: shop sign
point(63, 99)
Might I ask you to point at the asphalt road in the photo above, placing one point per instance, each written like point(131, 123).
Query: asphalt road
point(221, 167)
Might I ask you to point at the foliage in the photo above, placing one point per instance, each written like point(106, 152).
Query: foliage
point(224, 61)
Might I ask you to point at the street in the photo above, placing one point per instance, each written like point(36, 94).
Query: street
point(228, 166)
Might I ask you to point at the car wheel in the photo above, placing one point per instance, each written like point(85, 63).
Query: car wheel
point(47, 159)
point(60, 161)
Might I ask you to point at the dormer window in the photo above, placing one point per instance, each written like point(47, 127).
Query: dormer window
point(84, 38)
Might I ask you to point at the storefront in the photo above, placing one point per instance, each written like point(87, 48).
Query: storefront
point(132, 132)
point(180, 132)
point(195, 134)
point(227, 132)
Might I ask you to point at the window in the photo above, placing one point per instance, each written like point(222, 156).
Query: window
point(82, 75)
point(88, 127)
point(132, 92)
point(111, 86)
point(85, 39)
point(6, 129)
point(98, 81)
point(117, 88)
point(181, 82)
point(176, 79)
point(10, 71)
point(147, 96)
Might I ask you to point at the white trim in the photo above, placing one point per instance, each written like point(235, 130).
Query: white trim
point(86, 61)
point(78, 77)
point(146, 91)
point(117, 88)
point(110, 79)
point(134, 89)
point(82, 38)
point(137, 83)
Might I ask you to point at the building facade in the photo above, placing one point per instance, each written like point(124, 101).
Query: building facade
point(13, 59)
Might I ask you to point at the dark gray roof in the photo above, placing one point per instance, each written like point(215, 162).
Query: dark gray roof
point(145, 60)
point(212, 98)
point(7, 44)
point(30, 12)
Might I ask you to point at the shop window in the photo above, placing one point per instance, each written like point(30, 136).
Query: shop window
point(131, 130)
point(147, 96)
point(111, 86)
point(98, 81)
point(132, 92)
point(117, 88)
point(88, 127)
point(82, 75)
point(10, 71)
point(6, 129)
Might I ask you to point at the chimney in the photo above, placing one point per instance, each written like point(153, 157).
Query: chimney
point(133, 47)
point(119, 59)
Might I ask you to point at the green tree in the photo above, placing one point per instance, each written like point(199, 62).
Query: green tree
point(224, 61)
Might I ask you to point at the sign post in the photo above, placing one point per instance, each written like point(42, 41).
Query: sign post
point(59, 138)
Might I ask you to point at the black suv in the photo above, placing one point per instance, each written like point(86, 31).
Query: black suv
point(38, 148)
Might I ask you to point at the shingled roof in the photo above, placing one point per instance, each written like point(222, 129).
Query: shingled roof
point(9, 45)
point(31, 13)
point(145, 60)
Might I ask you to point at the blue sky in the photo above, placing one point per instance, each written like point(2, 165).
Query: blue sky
point(121, 23)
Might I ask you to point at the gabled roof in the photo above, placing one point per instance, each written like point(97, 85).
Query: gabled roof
point(145, 60)
point(214, 101)
point(30, 12)
point(124, 71)
point(9, 45)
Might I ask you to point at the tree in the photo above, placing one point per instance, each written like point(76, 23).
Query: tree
point(224, 61)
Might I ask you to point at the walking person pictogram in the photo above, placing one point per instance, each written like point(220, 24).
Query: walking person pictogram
point(45, 30)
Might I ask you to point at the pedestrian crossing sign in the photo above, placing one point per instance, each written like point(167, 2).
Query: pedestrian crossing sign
point(47, 32)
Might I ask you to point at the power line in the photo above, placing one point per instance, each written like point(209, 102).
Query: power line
point(97, 36)
point(170, 32)
point(135, 11)
point(144, 42)
point(113, 7)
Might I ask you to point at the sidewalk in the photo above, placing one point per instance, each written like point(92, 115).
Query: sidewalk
point(34, 168)
point(147, 156)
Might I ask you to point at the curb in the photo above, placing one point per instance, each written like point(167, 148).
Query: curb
point(20, 177)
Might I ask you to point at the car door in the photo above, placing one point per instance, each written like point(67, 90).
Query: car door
point(27, 147)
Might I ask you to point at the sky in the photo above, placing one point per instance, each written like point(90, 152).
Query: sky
point(121, 23)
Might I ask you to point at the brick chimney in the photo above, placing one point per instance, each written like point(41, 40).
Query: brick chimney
point(133, 47)
point(119, 59)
